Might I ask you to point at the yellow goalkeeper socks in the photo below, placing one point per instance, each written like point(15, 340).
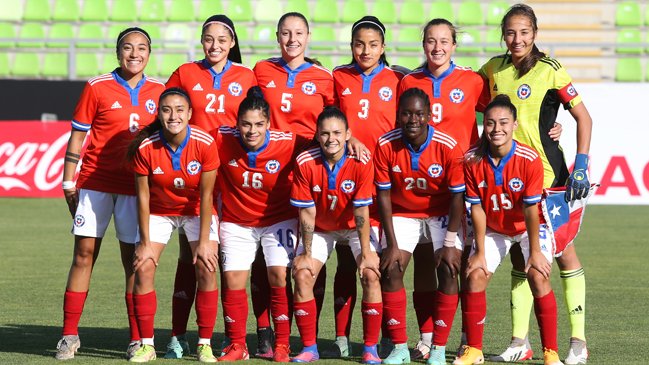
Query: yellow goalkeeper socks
point(574, 295)
point(521, 304)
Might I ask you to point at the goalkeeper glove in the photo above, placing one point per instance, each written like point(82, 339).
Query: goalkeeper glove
point(578, 185)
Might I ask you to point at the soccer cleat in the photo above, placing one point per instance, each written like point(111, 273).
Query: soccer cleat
point(225, 344)
point(460, 349)
point(265, 341)
point(177, 347)
point(519, 349)
point(308, 354)
point(370, 356)
point(281, 353)
point(340, 348)
point(578, 352)
point(132, 348)
point(146, 353)
point(421, 350)
point(67, 346)
point(399, 355)
point(550, 357)
point(470, 355)
point(204, 353)
point(234, 352)
point(437, 355)
point(385, 347)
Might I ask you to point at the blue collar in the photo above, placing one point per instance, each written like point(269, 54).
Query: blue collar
point(414, 155)
point(292, 74)
point(332, 175)
point(437, 81)
point(367, 79)
point(498, 171)
point(252, 156)
point(175, 155)
point(216, 76)
point(134, 93)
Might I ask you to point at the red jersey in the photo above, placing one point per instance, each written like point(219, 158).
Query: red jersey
point(333, 193)
point(455, 96)
point(256, 186)
point(368, 101)
point(174, 177)
point(296, 97)
point(113, 113)
point(504, 189)
point(215, 96)
point(421, 183)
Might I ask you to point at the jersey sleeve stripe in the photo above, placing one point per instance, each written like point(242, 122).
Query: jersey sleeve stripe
point(523, 155)
point(445, 136)
point(308, 155)
point(383, 186)
point(148, 141)
point(532, 199)
point(202, 140)
point(281, 134)
point(473, 200)
point(100, 79)
point(149, 78)
point(362, 203)
point(302, 203)
point(529, 151)
point(323, 69)
point(202, 134)
point(390, 136)
point(457, 188)
point(443, 141)
point(81, 126)
point(280, 138)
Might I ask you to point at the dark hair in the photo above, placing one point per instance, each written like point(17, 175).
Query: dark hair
point(482, 145)
point(298, 15)
point(254, 100)
point(432, 23)
point(127, 31)
point(414, 92)
point(235, 52)
point(332, 111)
point(535, 55)
point(373, 23)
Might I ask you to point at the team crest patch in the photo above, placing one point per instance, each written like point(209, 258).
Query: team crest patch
point(524, 91)
point(79, 220)
point(385, 93)
point(348, 186)
point(456, 95)
point(435, 170)
point(308, 88)
point(235, 89)
point(194, 167)
point(516, 184)
point(272, 166)
point(150, 106)
point(571, 90)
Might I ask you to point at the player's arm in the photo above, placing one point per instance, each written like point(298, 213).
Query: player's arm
point(448, 254)
point(72, 157)
point(143, 250)
point(358, 147)
point(369, 260)
point(391, 254)
point(478, 260)
point(307, 227)
point(536, 260)
point(207, 251)
point(578, 183)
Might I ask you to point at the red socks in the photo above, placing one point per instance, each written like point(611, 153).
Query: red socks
point(446, 306)
point(207, 305)
point(260, 294)
point(145, 307)
point(306, 320)
point(73, 302)
point(183, 299)
point(235, 314)
point(424, 303)
point(281, 312)
point(132, 323)
point(475, 313)
point(394, 311)
point(545, 309)
point(372, 318)
point(345, 301)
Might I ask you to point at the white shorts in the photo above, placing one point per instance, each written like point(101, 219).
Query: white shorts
point(218, 218)
point(162, 226)
point(239, 244)
point(95, 209)
point(497, 246)
point(409, 232)
point(325, 242)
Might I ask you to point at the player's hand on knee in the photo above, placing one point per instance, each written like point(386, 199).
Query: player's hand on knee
point(302, 262)
point(538, 262)
point(371, 262)
point(141, 255)
point(208, 254)
point(451, 257)
point(391, 255)
point(477, 262)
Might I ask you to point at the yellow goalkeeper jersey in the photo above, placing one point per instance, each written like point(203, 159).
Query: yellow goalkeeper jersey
point(537, 97)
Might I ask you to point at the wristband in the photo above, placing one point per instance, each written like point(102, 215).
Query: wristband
point(581, 162)
point(449, 240)
point(68, 185)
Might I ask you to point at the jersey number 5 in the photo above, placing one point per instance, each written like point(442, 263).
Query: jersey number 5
point(209, 109)
point(286, 102)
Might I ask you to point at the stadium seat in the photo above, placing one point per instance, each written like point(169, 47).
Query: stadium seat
point(12, 10)
point(198, 37)
point(4, 64)
point(389, 39)
point(95, 11)
point(114, 31)
point(466, 38)
point(124, 11)
point(240, 10)
point(32, 30)
point(646, 73)
point(55, 65)
point(442, 9)
point(153, 11)
point(154, 33)
point(646, 16)
point(38, 10)
point(409, 35)
point(495, 12)
point(323, 34)
point(409, 62)
point(87, 65)
point(345, 36)
point(385, 10)
point(412, 12)
point(256, 57)
point(66, 11)
point(472, 62)
point(207, 8)
point(170, 62)
point(177, 32)
point(298, 6)
point(60, 31)
point(628, 14)
point(629, 36)
point(242, 34)
point(326, 61)
point(353, 10)
point(325, 11)
point(151, 68)
point(26, 64)
point(494, 36)
point(470, 13)
point(90, 31)
point(7, 31)
point(109, 63)
point(268, 11)
point(629, 70)
point(265, 33)
point(181, 11)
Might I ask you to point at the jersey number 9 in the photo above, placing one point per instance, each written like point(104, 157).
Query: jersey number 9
point(437, 112)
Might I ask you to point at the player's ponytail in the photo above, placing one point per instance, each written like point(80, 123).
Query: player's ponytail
point(235, 52)
point(535, 55)
point(480, 149)
point(332, 112)
point(254, 100)
point(372, 23)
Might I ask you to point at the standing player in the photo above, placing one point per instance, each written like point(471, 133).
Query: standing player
point(420, 187)
point(538, 85)
point(334, 186)
point(112, 107)
point(216, 85)
point(175, 168)
point(504, 185)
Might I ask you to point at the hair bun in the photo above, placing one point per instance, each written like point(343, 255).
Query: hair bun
point(255, 92)
point(330, 107)
point(503, 97)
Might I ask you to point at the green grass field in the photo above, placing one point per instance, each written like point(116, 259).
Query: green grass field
point(36, 250)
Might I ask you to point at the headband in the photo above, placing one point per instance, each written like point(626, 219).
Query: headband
point(223, 24)
point(178, 91)
point(134, 31)
point(371, 22)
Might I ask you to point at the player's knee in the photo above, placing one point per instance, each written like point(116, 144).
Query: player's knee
point(538, 283)
point(303, 282)
point(477, 281)
point(444, 272)
point(146, 272)
point(277, 276)
point(370, 279)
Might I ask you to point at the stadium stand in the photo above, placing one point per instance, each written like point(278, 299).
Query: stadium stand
point(470, 13)
point(629, 70)
point(60, 31)
point(268, 11)
point(124, 11)
point(95, 11)
point(325, 11)
point(240, 10)
point(412, 12)
point(298, 6)
point(352, 9)
point(385, 10)
point(181, 11)
point(66, 11)
point(442, 9)
point(37, 10)
point(153, 11)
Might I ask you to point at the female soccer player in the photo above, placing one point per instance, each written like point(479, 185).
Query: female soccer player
point(538, 85)
point(175, 169)
point(365, 91)
point(216, 85)
point(333, 188)
point(504, 181)
point(420, 186)
point(112, 107)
